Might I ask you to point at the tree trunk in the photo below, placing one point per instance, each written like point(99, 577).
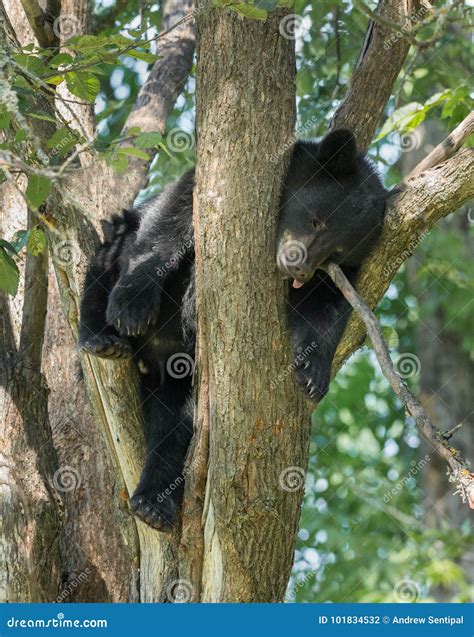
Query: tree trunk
point(30, 506)
point(256, 432)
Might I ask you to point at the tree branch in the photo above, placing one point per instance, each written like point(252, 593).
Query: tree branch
point(447, 148)
point(34, 307)
point(460, 472)
point(157, 96)
point(411, 213)
point(377, 68)
point(41, 23)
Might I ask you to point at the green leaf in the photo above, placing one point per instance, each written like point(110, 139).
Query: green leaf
point(21, 135)
point(134, 152)
point(31, 63)
point(61, 58)
point(37, 190)
point(118, 162)
point(143, 55)
point(400, 118)
point(9, 247)
point(62, 141)
point(37, 241)
point(55, 80)
point(9, 273)
point(83, 85)
point(148, 140)
point(5, 119)
point(87, 43)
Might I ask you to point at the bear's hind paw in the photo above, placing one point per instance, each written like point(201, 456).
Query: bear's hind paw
point(161, 515)
point(105, 346)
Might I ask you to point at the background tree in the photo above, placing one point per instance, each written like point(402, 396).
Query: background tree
point(53, 523)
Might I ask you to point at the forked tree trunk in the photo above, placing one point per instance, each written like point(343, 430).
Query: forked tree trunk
point(251, 511)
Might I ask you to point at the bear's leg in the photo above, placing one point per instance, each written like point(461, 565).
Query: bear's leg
point(317, 316)
point(168, 431)
point(95, 335)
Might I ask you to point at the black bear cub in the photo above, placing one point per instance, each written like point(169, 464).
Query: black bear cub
point(139, 295)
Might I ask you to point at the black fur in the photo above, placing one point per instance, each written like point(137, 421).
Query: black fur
point(139, 295)
point(332, 206)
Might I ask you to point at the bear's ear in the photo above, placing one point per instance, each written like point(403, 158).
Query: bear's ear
point(338, 152)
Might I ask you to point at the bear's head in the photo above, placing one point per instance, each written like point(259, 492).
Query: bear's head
point(332, 207)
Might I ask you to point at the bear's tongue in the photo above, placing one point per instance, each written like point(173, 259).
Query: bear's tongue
point(297, 284)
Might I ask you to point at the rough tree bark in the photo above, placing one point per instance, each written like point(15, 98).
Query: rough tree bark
point(95, 523)
point(255, 433)
point(84, 532)
point(246, 514)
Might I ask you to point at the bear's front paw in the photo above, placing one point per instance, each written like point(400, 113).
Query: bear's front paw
point(105, 346)
point(156, 509)
point(132, 307)
point(312, 377)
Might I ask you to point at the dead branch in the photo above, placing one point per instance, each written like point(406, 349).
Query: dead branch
point(447, 147)
point(459, 470)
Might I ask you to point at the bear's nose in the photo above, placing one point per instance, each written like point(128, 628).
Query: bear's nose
point(301, 272)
